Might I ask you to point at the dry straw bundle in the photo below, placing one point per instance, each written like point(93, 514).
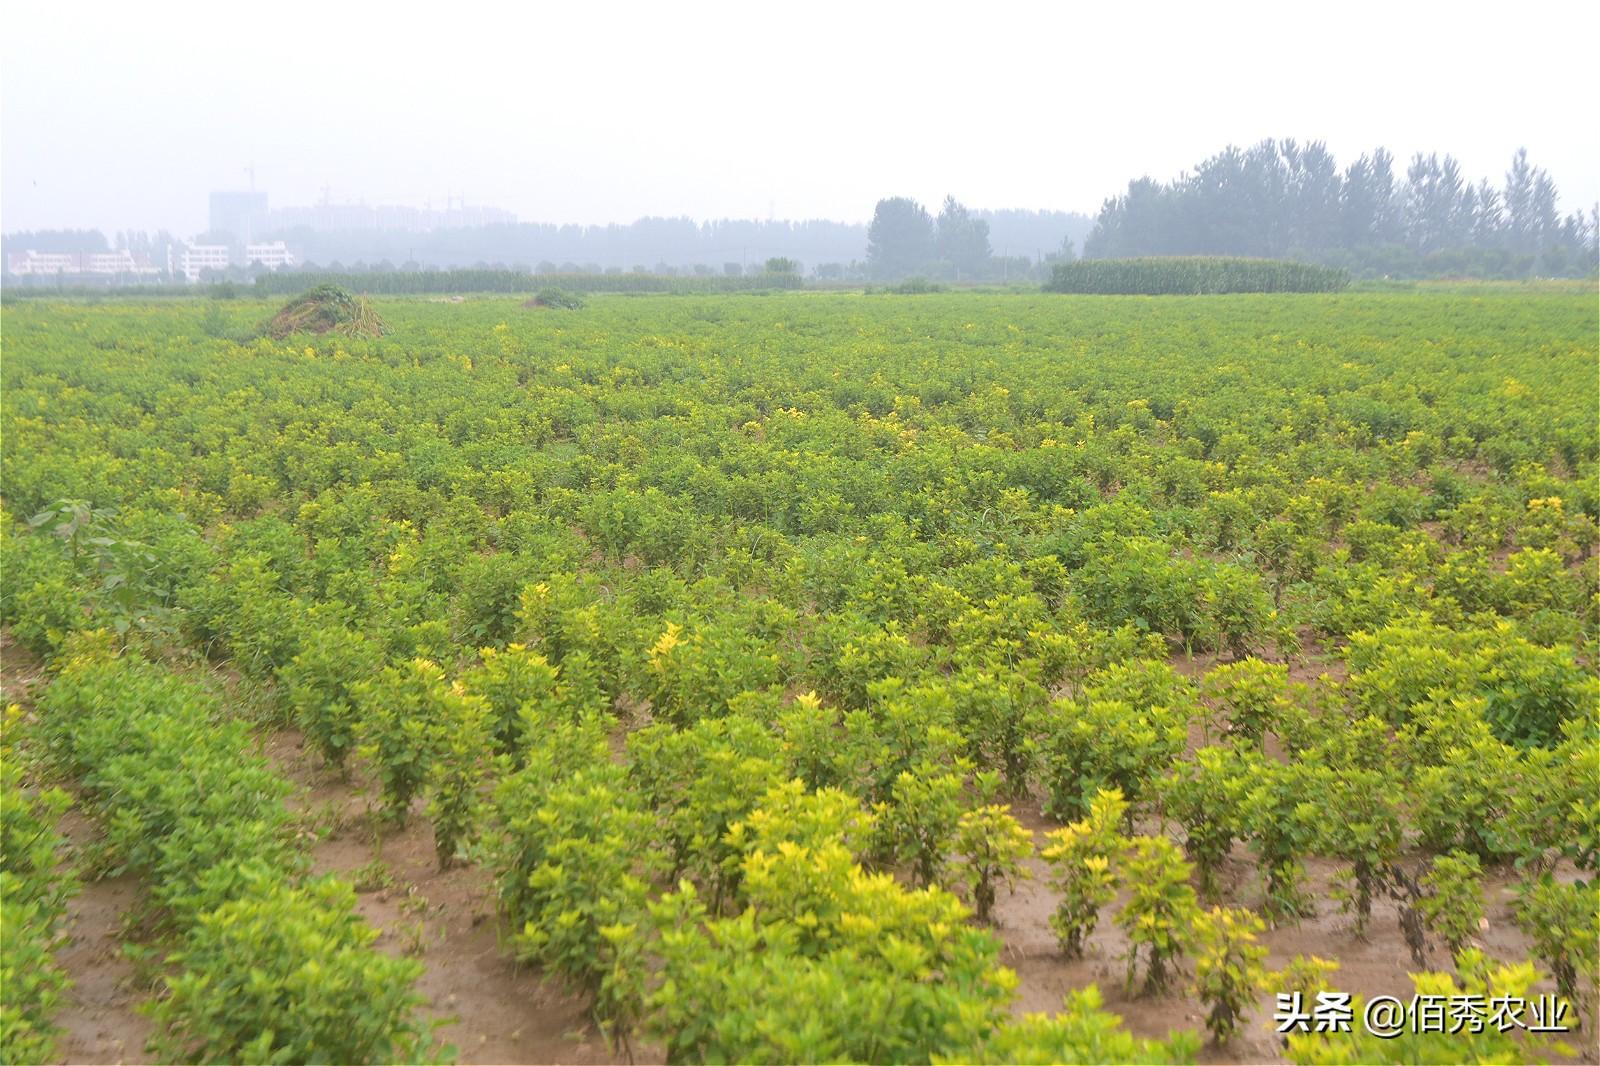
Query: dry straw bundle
point(326, 309)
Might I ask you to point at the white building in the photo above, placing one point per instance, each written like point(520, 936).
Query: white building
point(106, 263)
point(273, 255)
point(32, 262)
point(121, 261)
point(198, 257)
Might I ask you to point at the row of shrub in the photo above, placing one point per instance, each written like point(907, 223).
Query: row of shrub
point(271, 965)
point(33, 903)
point(1192, 276)
point(434, 281)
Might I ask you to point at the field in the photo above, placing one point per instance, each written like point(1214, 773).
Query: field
point(800, 676)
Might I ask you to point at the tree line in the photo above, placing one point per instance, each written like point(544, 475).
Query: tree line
point(1283, 199)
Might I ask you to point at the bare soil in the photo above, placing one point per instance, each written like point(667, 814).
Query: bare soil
point(99, 1014)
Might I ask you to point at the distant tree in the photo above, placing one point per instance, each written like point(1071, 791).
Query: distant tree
point(1312, 197)
point(1435, 216)
point(1284, 199)
point(55, 241)
point(1521, 227)
point(782, 265)
point(900, 238)
point(1488, 217)
point(732, 270)
point(961, 240)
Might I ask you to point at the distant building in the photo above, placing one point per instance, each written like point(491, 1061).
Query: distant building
point(118, 262)
point(241, 214)
point(101, 263)
point(32, 262)
point(274, 255)
point(197, 257)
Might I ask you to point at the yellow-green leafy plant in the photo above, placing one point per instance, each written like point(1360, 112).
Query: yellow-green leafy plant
point(1228, 970)
point(994, 846)
point(1080, 857)
point(1452, 905)
point(456, 778)
point(1158, 917)
point(402, 715)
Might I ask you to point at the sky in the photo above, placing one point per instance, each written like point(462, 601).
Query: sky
point(125, 116)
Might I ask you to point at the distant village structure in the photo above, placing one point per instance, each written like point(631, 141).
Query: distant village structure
point(239, 223)
point(104, 264)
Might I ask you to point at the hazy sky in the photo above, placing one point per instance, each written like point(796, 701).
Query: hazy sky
point(124, 115)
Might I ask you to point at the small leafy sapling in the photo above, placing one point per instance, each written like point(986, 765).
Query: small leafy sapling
point(1080, 857)
point(508, 680)
point(1283, 825)
point(1305, 974)
point(1452, 905)
point(400, 714)
point(283, 948)
point(918, 825)
point(33, 914)
point(1104, 743)
point(586, 892)
point(811, 749)
point(1081, 1032)
point(457, 773)
point(995, 846)
point(1161, 908)
point(1228, 967)
point(1563, 921)
point(318, 683)
point(1206, 796)
point(1363, 826)
point(1250, 695)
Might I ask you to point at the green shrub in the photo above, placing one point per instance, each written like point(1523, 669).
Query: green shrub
point(1160, 912)
point(318, 683)
point(1228, 967)
point(33, 902)
point(1080, 857)
point(286, 974)
point(512, 680)
point(1206, 796)
point(402, 728)
point(827, 963)
point(1453, 906)
point(561, 299)
point(917, 825)
point(994, 845)
point(1563, 921)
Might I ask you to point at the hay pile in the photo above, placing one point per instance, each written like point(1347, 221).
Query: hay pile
point(326, 309)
